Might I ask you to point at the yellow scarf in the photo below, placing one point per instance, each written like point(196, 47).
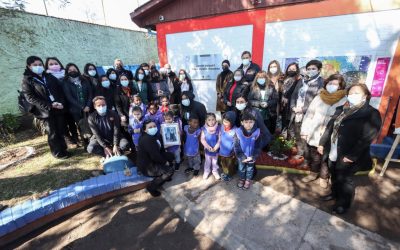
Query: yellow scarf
point(331, 98)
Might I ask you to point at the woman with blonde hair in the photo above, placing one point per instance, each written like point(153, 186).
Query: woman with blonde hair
point(265, 98)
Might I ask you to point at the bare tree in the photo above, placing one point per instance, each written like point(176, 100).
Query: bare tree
point(14, 4)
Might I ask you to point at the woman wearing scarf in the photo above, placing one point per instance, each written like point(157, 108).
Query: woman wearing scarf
point(291, 79)
point(124, 93)
point(222, 79)
point(346, 143)
point(319, 113)
point(302, 96)
point(264, 97)
point(54, 66)
point(234, 88)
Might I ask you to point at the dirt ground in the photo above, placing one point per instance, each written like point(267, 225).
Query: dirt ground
point(377, 201)
point(133, 221)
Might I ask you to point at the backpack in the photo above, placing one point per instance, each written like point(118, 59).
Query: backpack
point(23, 105)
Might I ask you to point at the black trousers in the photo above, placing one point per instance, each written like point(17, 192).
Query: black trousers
point(301, 143)
point(55, 127)
point(343, 187)
point(163, 174)
point(70, 128)
point(95, 148)
point(314, 160)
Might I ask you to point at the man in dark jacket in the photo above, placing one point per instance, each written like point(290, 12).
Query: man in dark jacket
point(249, 68)
point(191, 107)
point(105, 127)
point(119, 68)
point(43, 92)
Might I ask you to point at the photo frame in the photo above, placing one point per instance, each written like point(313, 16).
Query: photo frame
point(170, 134)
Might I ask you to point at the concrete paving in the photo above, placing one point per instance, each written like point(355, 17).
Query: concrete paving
point(262, 218)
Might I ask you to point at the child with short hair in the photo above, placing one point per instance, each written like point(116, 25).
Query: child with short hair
point(191, 150)
point(176, 149)
point(226, 151)
point(154, 114)
point(135, 124)
point(247, 149)
point(137, 102)
point(210, 138)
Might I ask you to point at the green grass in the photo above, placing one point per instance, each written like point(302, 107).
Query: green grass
point(42, 172)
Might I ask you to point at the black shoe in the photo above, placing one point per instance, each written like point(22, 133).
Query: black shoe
point(177, 165)
point(188, 170)
point(196, 172)
point(328, 197)
point(62, 156)
point(169, 179)
point(339, 210)
point(154, 193)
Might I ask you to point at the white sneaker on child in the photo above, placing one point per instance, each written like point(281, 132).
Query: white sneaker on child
point(217, 176)
point(205, 176)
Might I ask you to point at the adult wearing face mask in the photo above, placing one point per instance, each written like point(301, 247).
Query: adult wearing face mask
point(104, 123)
point(158, 86)
point(44, 93)
point(173, 85)
point(346, 142)
point(185, 83)
point(146, 68)
point(140, 86)
point(190, 107)
point(124, 93)
point(152, 159)
point(54, 66)
point(120, 70)
point(249, 68)
point(318, 114)
point(112, 77)
point(105, 89)
point(234, 88)
point(91, 75)
point(291, 79)
point(242, 105)
point(78, 93)
point(302, 96)
point(264, 97)
point(221, 83)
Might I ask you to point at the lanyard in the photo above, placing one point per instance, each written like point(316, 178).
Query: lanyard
point(44, 84)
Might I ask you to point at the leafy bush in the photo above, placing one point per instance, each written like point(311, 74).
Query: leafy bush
point(9, 123)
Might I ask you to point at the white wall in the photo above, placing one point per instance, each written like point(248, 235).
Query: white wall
point(230, 42)
point(375, 34)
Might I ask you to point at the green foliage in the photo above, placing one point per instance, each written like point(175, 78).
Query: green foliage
point(9, 123)
point(280, 146)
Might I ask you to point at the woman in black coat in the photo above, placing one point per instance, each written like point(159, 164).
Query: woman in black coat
point(346, 144)
point(44, 93)
point(191, 107)
point(234, 88)
point(106, 89)
point(91, 75)
point(152, 159)
point(124, 93)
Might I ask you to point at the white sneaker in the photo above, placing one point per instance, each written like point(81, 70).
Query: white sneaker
point(217, 176)
point(205, 176)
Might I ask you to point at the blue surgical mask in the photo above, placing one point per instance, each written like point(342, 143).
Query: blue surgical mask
point(186, 102)
point(140, 76)
point(92, 72)
point(125, 83)
point(113, 76)
point(37, 69)
point(102, 110)
point(261, 81)
point(152, 131)
point(246, 62)
point(146, 71)
point(105, 84)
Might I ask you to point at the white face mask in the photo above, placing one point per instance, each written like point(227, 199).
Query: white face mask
point(146, 71)
point(37, 69)
point(332, 88)
point(241, 106)
point(186, 102)
point(140, 77)
point(355, 99)
point(312, 73)
point(237, 78)
point(273, 70)
point(246, 62)
point(92, 72)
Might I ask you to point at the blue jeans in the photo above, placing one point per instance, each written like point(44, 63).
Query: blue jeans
point(246, 170)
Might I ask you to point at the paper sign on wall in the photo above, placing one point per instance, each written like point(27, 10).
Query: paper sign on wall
point(204, 67)
point(381, 70)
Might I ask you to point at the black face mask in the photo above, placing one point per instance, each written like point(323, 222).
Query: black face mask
point(73, 74)
point(291, 73)
point(225, 68)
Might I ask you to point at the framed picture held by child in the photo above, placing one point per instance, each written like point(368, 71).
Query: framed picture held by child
point(170, 134)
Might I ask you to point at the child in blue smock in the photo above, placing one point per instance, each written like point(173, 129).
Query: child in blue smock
point(227, 157)
point(175, 149)
point(135, 124)
point(210, 138)
point(191, 150)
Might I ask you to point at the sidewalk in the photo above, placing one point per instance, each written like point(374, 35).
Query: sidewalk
point(262, 218)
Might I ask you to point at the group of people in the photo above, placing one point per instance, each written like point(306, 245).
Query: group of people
point(333, 125)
